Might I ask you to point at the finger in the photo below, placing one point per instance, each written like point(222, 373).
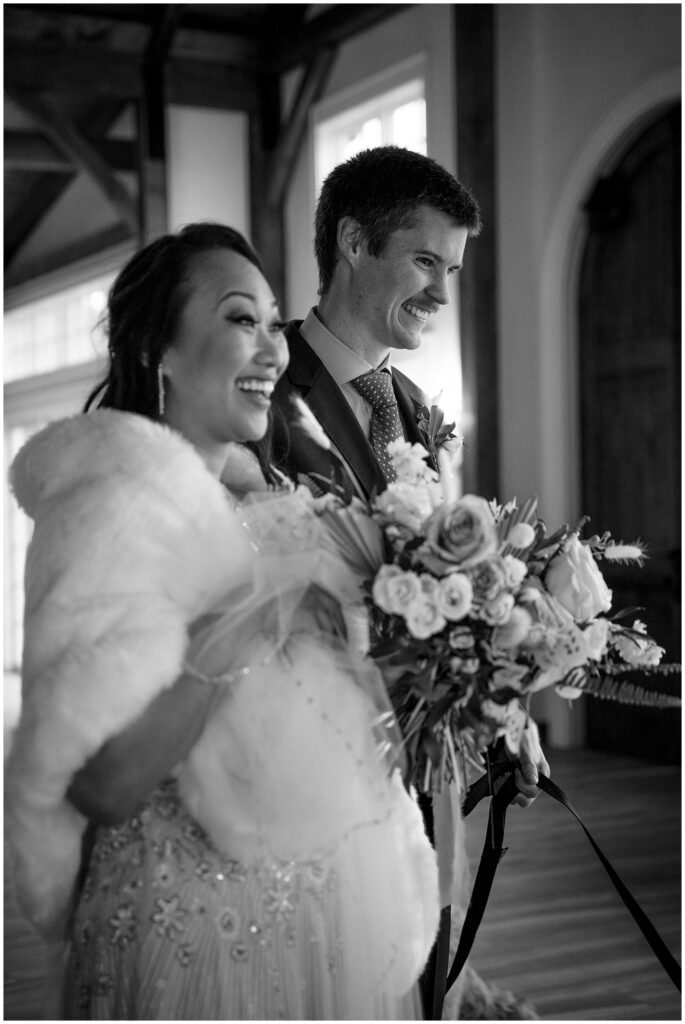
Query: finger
point(523, 801)
point(528, 770)
point(525, 787)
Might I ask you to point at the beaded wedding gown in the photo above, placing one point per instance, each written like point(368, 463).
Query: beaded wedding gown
point(282, 870)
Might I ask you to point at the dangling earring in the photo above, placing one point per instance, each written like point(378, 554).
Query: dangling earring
point(160, 391)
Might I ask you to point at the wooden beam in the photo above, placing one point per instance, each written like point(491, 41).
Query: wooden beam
point(29, 151)
point(47, 188)
point(44, 191)
point(64, 134)
point(478, 293)
point(109, 74)
point(337, 24)
point(291, 138)
point(85, 70)
point(79, 250)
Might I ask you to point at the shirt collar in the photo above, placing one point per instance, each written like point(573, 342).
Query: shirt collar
point(342, 362)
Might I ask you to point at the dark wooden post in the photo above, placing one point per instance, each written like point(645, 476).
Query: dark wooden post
point(267, 219)
point(476, 165)
point(152, 125)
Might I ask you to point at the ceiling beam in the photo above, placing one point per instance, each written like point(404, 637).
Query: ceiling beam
point(46, 189)
point(84, 248)
point(290, 141)
point(29, 151)
point(110, 74)
point(337, 24)
point(64, 134)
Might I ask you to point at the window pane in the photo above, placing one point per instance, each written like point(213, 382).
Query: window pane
point(61, 330)
point(395, 117)
point(409, 126)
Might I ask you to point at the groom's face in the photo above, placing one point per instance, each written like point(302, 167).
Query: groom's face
point(397, 292)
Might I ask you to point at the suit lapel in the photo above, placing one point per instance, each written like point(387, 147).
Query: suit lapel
point(323, 396)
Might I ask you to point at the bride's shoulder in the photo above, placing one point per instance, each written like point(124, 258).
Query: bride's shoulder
point(103, 450)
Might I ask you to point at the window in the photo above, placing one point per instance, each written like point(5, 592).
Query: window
point(55, 331)
point(396, 117)
point(53, 349)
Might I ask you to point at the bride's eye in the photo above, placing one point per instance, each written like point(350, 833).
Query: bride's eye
point(242, 318)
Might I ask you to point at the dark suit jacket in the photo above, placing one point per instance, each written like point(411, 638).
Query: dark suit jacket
point(296, 453)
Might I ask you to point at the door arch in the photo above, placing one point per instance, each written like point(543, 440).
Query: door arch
point(629, 380)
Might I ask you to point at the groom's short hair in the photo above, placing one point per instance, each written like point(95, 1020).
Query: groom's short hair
point(380, 189)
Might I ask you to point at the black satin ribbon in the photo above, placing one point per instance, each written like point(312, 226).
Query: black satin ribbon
point(494, 850)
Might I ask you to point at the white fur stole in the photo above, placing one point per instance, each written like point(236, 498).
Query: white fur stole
point(133, 539)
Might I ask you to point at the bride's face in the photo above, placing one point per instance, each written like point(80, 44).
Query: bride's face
point(229, 351)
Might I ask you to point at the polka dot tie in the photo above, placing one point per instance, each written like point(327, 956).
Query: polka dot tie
point(376, 388)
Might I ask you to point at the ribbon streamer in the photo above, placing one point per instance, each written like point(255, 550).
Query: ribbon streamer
point(494, 849)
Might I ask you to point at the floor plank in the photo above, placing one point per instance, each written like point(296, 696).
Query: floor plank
point(555, 929)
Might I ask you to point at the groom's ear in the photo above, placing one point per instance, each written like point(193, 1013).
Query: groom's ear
point(349, 239)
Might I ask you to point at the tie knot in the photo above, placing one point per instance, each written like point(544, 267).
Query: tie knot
point(376, 388)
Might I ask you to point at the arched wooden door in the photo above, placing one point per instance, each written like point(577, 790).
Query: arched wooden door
point(629, 331)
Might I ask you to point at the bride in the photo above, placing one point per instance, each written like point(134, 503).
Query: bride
point(203, 799)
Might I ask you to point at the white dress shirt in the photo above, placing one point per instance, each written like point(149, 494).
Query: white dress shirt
point(343, 364)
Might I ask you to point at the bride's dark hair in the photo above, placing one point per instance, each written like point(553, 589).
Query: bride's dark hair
point(144, 308)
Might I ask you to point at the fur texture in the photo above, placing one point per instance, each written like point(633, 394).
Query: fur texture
point(133, 540)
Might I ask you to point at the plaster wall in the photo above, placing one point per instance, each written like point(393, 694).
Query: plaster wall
point(207, 167)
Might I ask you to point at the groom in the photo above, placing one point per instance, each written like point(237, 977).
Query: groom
point(391, 230)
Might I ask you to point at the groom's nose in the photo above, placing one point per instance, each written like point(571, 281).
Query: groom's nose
point(438, 289)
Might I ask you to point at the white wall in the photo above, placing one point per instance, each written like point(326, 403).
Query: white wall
point(573, 80)
point(424, 29)
point(207, 167)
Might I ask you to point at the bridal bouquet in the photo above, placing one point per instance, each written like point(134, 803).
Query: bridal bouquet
point(475, 606)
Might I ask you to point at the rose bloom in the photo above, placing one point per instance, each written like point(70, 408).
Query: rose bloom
point(497, 611)
point(462, 533)
point(455, 596)
point(404, 505)
point(515, 569)
point(488, 578)
point(424, 619)
point(461, 638)
point(574, 579)
point(394, 590)
point(410, 463)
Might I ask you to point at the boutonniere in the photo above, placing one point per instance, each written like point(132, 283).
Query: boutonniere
point(435, 432)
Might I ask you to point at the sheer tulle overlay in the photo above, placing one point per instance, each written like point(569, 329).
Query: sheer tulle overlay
point(314, 898)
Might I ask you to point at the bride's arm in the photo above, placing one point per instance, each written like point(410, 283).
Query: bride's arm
point(114, 781)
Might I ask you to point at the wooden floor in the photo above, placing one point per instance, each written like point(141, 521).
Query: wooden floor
point(555, 930)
